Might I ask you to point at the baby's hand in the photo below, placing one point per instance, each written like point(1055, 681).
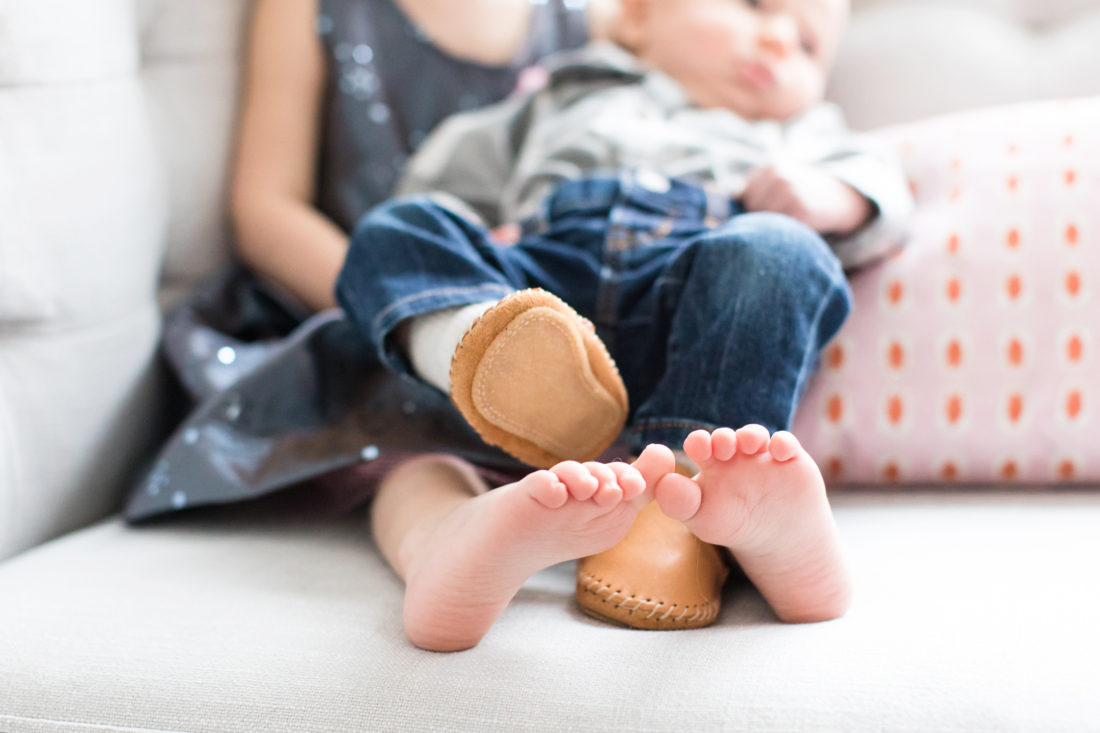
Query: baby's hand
point(817, 199)
point(506, 234)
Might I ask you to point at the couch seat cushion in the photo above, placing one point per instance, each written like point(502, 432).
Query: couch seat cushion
point(974, 612)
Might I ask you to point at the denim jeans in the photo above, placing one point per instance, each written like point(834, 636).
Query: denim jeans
point(714, 317)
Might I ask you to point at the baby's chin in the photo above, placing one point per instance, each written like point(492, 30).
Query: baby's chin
point(759, 109)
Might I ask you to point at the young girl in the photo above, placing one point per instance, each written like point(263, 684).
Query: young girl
point(338, 93)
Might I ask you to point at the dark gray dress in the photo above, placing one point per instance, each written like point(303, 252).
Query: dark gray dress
point(279, 398)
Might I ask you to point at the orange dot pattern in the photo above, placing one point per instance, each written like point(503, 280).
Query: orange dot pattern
point(982, 338)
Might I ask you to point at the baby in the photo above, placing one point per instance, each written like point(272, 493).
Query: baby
point(688, 191)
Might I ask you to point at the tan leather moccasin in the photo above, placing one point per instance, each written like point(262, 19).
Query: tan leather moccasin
point(531, 376)
point(660, 576)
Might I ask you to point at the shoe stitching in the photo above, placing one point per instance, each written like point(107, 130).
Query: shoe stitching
point(706, 610)
point(669, 611)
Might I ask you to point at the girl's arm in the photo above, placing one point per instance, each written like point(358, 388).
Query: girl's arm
point(280, 234)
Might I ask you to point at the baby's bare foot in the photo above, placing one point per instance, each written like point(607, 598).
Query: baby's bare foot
point(763, 498)
point(468, 564)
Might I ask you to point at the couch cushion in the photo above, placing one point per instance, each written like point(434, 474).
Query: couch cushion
point(973, 612)
point(971, 356)
point(191, 53)
point(115, 121)
point(66, 41)
point(81, 221)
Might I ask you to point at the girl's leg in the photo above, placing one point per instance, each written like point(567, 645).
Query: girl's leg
point(464, 553)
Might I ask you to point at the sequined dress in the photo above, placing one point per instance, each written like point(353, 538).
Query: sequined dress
point(290, 402)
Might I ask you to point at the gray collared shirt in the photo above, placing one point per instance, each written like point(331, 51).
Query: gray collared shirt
point(601, 112)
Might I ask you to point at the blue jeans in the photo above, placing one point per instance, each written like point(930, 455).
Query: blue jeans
point(714, 317)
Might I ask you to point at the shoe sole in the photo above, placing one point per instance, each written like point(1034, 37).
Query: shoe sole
point(531, 376)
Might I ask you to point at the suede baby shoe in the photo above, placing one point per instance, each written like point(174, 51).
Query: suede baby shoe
point(532, 377)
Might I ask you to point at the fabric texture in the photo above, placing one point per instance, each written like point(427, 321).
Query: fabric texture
point(279, 403)
point(972, 356)
point(375, 56)
point(973, 612)
point(601, 112)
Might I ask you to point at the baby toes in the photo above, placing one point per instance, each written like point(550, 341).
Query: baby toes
point(608, 492)
point(784, 446)
point(678, 496)
point(630, 480)
point(723, 443)
point(545, 488)
point(699, 446)
point(579, 481)
point(751, 439)
point(608, 495)
point(654, 462)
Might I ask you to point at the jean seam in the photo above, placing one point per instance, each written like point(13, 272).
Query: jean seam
point(659, 424)
point(379, 319)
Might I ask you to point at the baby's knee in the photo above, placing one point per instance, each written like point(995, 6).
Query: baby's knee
point(771, 245)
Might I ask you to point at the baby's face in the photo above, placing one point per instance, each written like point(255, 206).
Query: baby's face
point(764, 59)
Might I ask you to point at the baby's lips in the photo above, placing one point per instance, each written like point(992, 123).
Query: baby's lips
point(758, 75)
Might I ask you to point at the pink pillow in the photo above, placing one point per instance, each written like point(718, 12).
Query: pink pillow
point(971, 356)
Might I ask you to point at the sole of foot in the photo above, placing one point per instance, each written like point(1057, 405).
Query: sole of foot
point(763, 497)
point(469, 563)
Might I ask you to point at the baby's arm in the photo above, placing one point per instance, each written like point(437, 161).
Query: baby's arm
point(819, 200)
point(849, 188)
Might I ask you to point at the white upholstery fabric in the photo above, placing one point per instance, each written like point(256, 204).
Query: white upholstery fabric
point(82, 208)
point(47, 42)
point(191, 59)
point(973, 613)
point(114, 137)
point(906, 59)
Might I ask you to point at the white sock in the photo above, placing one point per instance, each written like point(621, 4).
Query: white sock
point(433, 338)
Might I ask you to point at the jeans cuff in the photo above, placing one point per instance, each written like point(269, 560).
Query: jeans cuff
point(420, 304)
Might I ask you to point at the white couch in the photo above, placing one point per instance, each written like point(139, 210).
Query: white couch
point(976, 608)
